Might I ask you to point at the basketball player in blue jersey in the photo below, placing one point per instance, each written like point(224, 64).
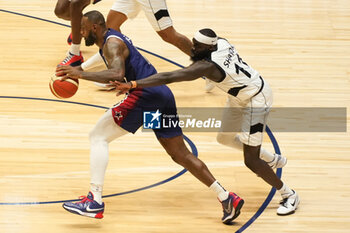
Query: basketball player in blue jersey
point(124, 61)
point(249, 98)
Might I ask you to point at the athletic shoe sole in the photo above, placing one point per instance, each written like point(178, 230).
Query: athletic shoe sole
point(98, 215)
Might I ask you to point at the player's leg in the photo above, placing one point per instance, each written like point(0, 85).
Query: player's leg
point(114, 123)
point(120, 11)
point(178, 151)
point(171, 138)
point(74, 57)
point(177, 39)
point(62, 9)
point(101, 135)
point(157, 14)
point(115, 19)
point(290, 198)
point(253, 125)
point(76, 12)
point(231, 125)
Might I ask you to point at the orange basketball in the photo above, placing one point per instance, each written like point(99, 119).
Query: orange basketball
point(63, 89)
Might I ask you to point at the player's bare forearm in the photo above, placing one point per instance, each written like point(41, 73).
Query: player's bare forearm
point(104, 76)
point(166, 78)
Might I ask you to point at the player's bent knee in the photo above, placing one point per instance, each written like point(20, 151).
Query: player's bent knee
point(94, 136)
point(250, 164)
point(168, 35)
point(80, 4)
point(61, 12)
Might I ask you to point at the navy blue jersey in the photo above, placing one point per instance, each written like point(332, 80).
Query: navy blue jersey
point(136, 66)
point(129, 112)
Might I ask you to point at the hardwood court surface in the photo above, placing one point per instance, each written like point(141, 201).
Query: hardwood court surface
point(301, 48)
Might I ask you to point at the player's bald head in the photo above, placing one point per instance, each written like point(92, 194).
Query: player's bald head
point(95, 17)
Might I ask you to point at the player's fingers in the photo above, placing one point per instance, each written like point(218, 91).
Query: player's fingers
point(60, 73)
point(118, 93)
point(64, 77)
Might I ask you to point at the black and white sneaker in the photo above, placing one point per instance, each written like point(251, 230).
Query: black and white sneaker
point(289, 205)
point(278, 162)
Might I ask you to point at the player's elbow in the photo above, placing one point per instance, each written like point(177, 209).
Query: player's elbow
point(116, 75)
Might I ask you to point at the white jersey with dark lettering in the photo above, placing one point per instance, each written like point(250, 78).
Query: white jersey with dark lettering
point(241, 80)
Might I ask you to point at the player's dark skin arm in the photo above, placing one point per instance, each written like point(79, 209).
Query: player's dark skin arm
point(192, 72)
point(115, 52)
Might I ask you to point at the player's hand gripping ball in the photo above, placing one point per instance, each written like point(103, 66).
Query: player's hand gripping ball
point(63, 89)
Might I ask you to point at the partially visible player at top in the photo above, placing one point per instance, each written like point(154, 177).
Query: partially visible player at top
point(72, 10)
point(124, 61)
point(156, 12)
point(249, 99)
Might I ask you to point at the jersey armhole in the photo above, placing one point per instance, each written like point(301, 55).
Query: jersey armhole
point(223, 73)
point(115, 37)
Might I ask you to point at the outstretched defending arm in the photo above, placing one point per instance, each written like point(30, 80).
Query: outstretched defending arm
point(192, 72)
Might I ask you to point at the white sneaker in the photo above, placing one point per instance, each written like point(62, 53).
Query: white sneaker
point(289, 205)
point(104, 86)
point(209, 86)
point(278, 162)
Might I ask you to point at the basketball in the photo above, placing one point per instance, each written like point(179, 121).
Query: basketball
point(63, 89)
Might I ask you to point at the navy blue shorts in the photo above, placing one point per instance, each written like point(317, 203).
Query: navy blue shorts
point(128, 113)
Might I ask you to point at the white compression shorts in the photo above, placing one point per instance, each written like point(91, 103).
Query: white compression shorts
point(156, 11)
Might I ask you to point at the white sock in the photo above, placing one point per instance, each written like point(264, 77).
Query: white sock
point(97, 192)
point(93, 61)
point(267, 156)
point(285, 191)
point(220, 191)
point(75, 49)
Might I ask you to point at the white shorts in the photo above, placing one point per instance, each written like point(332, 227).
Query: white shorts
point(156, 11)
point(248, 118)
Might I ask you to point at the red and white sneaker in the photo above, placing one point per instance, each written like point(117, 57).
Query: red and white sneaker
point(72, 60)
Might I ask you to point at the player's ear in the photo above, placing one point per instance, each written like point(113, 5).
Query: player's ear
point(94, 27)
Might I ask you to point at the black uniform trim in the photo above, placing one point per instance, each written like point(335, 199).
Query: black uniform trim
point(235, 90)
point(161, 13)
point(261, 87)
point(256, 128)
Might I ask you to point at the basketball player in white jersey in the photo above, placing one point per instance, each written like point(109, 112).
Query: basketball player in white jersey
point(247, 91)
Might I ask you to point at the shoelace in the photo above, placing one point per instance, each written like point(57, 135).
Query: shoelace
point(225, 206)
point(84, 199)
point(67, 58)
point(283, 202)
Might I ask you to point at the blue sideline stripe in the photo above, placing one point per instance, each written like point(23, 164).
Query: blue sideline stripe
point(33, 17)
point(191, 144)
point(53, 100)
point(161, 57)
